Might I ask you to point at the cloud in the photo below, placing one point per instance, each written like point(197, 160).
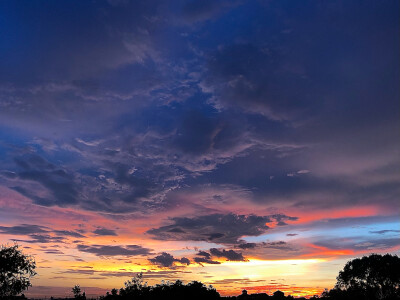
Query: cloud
point(105, 250)
point(247, 75)
point(60, 183)
point(385, 231)
point(228, 254)
point(167, 260)
point(42, 238)
point(174, 121)
point(23, 229)
point(69, 233)
point(276, 245)
point(104, 231)
point(38, 234)
point(218, 228)
point(247, 245)
point(203, 260)
point(204, 254)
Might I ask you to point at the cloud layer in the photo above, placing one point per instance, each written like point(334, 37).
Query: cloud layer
point(171, 135)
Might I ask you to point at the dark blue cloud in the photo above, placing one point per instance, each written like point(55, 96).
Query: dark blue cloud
point(117, 106)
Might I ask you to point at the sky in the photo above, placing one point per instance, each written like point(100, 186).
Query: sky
point(245, 144)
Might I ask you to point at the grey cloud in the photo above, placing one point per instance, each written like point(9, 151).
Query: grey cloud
point(184, 261)
point(105, 231)
point(23, 229)
point(164, 259)
point(39, 234)
point(58, 181)
point(247, 245)
point(54, 251)
point(276, 245)
point(385, 231)
point(228, 254)
point(42, 238)
point(105, 250)
point(280, 219)
point(249, 77)
point(167, 260)
point(204, 254)
point(360, 243)
point(69, 233)
point(218, 228)
point(203, 260)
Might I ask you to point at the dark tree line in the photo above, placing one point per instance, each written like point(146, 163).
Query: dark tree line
point(373, 277)
point(136, 289)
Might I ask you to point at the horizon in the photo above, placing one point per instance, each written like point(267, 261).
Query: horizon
point(244, 144)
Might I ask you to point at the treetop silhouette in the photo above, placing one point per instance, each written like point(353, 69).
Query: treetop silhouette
point(16, 271)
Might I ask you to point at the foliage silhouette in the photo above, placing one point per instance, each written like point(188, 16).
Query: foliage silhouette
point(76, 290)
point(373, 277)
point(137, 289)
point(16, 270)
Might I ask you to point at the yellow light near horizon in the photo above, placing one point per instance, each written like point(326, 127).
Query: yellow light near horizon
point(259, 262)
point(293, 270)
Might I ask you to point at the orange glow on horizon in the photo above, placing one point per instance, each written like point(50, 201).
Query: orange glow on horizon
point(315, 215)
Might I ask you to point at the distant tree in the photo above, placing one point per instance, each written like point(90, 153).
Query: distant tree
point(371, 277)
point(76, 290)
point(134, 288)
point(16, 271)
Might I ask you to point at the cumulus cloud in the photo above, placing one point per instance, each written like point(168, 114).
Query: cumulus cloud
point(167, 260)
point(228, 254)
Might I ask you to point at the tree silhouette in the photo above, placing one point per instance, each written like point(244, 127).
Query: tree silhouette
point(279, 295)
point(76, 290)
point(136, 289)
point(16, 270)
point(369, 277)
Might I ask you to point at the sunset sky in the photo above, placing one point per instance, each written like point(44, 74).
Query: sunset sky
point(245, 144)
